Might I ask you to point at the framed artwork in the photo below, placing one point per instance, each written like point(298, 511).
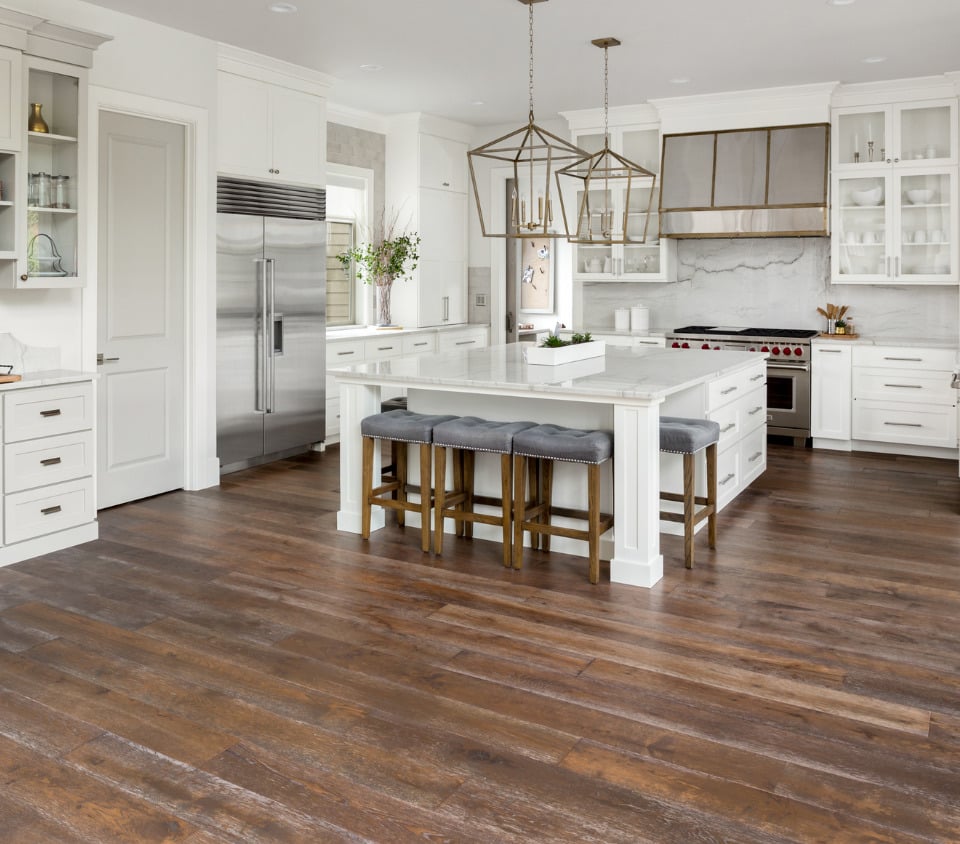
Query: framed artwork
point(536, 275)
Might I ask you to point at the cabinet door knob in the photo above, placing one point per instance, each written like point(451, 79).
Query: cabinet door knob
point(24, 277)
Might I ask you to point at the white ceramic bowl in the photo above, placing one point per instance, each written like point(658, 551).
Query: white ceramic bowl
point(867, 197)
point(920, 196)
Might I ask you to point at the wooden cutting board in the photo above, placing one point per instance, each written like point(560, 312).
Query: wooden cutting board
point(9, 379)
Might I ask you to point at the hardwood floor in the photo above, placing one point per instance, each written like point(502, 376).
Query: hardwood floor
point(225, 666)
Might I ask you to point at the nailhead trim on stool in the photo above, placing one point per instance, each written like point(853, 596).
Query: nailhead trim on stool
point(467, 435)
point(688, 437)
point(402, 426)
point(541, 446)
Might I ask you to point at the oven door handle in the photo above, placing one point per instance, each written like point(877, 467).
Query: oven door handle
point(793, 367)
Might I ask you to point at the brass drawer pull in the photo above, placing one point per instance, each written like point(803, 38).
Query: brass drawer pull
point(49, 511)
point(54, 412)
point(50, 461)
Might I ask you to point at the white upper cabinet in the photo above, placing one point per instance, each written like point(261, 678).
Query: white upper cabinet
point(894, 193)
point(442, 164)
point(271, 119)
point(11, 117)
point(269, 132)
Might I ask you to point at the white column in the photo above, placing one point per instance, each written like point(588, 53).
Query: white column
point(636, 511)
point(357, 401)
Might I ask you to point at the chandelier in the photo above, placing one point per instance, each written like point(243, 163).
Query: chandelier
point(607, 187)
point(534, 153)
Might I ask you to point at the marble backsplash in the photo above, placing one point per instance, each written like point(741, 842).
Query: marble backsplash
point(25, 358)
point(776, 282)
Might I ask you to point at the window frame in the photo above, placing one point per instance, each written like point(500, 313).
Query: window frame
point(362, 180)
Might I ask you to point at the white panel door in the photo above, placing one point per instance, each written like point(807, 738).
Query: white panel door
point(141, 268)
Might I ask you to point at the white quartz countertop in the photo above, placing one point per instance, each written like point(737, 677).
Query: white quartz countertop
point(873, 340)
point(622, 373)
point(48, 378)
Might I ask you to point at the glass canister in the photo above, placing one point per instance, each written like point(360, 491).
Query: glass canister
point(60, 191)
point(44, 190)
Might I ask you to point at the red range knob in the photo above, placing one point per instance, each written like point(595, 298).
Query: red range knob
point(716, 348)
point(685, 346)
point(775, 350)
point(787, 351)
point(705, 346)
point(753, 348)
point(798, 352)
point(764, 348)
point(675, 345)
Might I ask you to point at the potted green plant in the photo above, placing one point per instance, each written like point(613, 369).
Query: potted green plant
point(387, 256)
point(555, 350)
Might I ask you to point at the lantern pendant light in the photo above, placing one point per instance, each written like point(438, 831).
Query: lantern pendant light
point(534, 153)
point(602, 178)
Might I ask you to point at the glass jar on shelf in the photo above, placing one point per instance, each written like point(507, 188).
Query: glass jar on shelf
point(60, 192)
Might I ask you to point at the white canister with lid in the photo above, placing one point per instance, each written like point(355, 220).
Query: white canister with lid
point(621, 318)
point(639, 318)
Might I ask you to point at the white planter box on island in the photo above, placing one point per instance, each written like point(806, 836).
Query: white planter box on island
point(623, 391)
point(555, 355)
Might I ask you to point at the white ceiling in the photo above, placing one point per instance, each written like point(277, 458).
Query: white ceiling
point(439, 56)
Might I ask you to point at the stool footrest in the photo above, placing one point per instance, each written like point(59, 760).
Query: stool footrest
point(676, 496)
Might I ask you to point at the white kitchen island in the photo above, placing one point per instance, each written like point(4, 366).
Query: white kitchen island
point(623, 391)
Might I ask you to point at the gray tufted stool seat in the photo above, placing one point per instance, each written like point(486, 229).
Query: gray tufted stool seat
point(535, 450)
point(688, 437)
point(466, 436)
point(398, 426)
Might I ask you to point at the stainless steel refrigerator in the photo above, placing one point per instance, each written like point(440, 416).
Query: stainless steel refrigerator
point(271, 321)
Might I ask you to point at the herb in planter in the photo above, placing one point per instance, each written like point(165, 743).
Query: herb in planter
point(553, 341)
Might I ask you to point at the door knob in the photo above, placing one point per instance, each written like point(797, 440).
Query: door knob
point(101, 360)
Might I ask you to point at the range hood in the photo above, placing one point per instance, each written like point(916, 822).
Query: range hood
point(770, 182)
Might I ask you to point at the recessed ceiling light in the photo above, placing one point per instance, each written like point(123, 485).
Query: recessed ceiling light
point(680, 80)
point(477, 102)
point(874, 59)
point(282, 8)
point(840, 2)
point(371, 68)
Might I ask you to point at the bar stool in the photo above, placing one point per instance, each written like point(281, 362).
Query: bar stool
point(538, 448)
point(688, 437)
point(466, 436)
point(400, 426)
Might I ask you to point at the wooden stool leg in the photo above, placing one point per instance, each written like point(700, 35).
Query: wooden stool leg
point(712, 493)
point(689, 481)
point(367, 484)
point(469, 475)
point(439, 495)
point(426, 451)
point(400, 456)
point(519, 504)
point(546, 496)
point(506, 500)
point(533, 469)
point(593, 519)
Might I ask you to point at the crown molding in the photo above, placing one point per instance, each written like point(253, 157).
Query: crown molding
point(46, 39)
point(357, 119)
point(895, 90)
point(242, 62)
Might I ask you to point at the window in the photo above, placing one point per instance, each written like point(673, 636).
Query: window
point(341, 281)
point(349, 195)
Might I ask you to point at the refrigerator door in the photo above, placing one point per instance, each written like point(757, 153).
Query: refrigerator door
point(241, 276)
point(295, 251)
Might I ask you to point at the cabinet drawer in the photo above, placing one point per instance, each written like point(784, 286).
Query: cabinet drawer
point(379, 348)
point(344, 352)
point(904, 357)
point(47, 411)
point(732, 387)
point(933, 425)
point(49, 460)
point(728, 474)
point(728, 418)
point(46, 510)
point(454, 340)
point(418, 344)
point(903, 385)
point(753, 455)
point(753, 412)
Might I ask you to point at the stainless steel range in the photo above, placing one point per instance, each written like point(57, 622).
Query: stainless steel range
point(788, 368)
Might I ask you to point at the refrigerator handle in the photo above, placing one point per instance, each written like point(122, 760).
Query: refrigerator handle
point(261, 374)
point(272, 338)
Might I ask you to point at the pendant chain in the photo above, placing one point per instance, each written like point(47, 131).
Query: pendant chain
point(530, 7)
point(606, 77)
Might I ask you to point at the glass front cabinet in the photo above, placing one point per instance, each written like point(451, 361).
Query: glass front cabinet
point(895, 194)
point(651, 259)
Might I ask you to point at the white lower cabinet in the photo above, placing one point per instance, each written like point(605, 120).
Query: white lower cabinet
point(48, 469)
point(830, 393)
point(902, 395)
point(387, 345)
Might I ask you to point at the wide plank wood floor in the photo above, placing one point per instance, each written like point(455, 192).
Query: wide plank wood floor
point(224, 666)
